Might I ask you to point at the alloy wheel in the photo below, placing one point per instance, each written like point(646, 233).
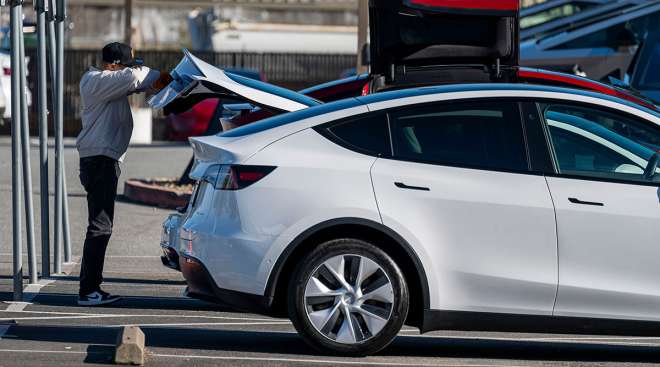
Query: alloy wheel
point(349, 298)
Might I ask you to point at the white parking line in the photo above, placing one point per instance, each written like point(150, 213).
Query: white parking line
point(30, 292)
point(204, 324)
point(66, 315)
point(319, 361)
point(566, 340)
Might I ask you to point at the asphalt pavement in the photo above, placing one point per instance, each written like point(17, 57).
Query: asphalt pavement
point(50, 330)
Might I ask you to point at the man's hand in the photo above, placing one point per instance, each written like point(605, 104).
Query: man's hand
point(162, 82)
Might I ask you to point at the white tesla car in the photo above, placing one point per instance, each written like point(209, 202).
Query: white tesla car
point(491, 206)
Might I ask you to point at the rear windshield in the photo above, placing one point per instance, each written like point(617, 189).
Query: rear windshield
point(290, 117)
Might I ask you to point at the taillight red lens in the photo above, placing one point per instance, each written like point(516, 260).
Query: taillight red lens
point(235, 177)
point(6, 71)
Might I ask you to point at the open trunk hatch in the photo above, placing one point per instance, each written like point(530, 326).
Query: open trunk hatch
point(417, 42)
point(196, 80)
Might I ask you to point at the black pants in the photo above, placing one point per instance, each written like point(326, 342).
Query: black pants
point(99, 176)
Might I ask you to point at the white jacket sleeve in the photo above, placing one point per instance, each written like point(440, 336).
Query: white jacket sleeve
point(118, 84)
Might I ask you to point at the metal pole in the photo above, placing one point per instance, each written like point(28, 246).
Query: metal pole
point(60, 20)
point(363, 30)
point(128, 24)
point(16, 22)
point(42, 75)
point(58, 148)
point(66, 231)
point(25, 157)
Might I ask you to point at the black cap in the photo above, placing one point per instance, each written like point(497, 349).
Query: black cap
point(120, 53)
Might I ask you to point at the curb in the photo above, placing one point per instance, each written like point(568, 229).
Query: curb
point(146, 192)
point(130, 346)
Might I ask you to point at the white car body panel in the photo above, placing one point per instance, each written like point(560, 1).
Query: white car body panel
point(487, 239)
point(608, 256)
point(315, 181)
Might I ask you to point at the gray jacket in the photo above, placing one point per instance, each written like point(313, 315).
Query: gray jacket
point(107, 122)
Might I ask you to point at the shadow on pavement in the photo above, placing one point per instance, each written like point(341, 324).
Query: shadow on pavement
point(127, 302)
point(286, 343)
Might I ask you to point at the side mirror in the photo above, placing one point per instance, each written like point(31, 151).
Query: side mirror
point(652, 167)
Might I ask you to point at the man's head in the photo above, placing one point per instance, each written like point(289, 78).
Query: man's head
point(117, 56)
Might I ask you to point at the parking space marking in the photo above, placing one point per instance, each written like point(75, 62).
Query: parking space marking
point(66, 315)
point(29, 293)
point(566, 340)
point(205, 324)
point(318, 361)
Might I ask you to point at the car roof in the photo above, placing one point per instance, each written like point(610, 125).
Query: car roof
point(453, 88)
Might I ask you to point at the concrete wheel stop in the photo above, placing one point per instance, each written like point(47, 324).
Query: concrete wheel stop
point(129, 347)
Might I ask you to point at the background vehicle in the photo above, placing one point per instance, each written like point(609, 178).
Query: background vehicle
point(203, 118)
point(597, 48)
point(645, 74)
point(550, 16)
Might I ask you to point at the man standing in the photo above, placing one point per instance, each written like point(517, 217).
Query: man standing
point(107, 126)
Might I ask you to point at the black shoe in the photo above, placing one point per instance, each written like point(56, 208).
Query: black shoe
point(97, 298)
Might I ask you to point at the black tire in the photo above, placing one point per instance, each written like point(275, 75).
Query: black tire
point(312, 262)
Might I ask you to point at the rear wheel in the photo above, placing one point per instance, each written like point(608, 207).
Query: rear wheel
point(348, 296)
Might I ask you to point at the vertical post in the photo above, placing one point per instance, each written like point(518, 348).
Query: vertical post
point(58, 143)
point(16, 22)
point(25, 156)
point(42, 96)
point(128, 24)
point(60, 22)
point(363, 29)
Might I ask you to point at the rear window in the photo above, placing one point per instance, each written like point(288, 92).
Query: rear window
point(368, 134)
point(287, 118)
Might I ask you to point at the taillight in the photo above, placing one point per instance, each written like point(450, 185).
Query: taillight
point(365, 90)
point(235, 177)
point(6, 71)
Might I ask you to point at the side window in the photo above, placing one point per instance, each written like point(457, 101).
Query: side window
point(476, 134)
point(595, 143)
point(366, 134)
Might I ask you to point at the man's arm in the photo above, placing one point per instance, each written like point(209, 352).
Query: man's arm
point(118, 84)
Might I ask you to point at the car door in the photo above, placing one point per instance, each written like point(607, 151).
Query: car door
point(607, 200)
point(459, 189)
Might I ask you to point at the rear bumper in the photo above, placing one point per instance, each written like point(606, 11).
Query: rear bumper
point(169, 241)
point(202, 286)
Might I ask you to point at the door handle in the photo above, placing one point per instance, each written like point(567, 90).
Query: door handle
point(578, 201)
point(401, 185)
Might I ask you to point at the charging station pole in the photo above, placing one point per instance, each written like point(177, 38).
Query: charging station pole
point(25, 156)
point(42, 97)
point(60, 29)
point(58, 142)
point(17, 266)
